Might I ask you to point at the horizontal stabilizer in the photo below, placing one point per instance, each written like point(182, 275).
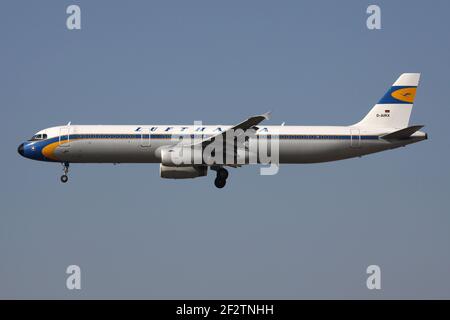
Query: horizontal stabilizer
point(402, 134)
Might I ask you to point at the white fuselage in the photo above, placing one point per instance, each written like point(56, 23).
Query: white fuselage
point(143, 143)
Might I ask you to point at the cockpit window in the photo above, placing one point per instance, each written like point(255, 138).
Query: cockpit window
point(37, 137)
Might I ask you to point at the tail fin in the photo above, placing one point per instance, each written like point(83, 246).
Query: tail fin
point(394, 108)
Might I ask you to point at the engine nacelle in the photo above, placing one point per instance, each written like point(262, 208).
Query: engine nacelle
point(180, 156)
point(172, 172)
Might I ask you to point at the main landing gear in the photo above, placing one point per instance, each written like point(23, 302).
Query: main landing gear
point(221, 178)
point(64, 177)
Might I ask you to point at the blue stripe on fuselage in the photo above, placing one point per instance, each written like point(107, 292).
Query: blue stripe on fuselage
point(170, 136)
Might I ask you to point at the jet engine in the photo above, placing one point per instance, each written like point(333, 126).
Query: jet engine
point(180, 156)
point(185, 172)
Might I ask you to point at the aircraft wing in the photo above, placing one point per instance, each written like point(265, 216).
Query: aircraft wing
point(245, 125)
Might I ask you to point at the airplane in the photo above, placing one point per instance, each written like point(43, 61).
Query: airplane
point(385, 127)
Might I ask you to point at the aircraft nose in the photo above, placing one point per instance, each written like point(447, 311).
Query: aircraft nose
point(20, 150)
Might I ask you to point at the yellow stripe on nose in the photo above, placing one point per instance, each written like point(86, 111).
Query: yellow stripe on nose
point(48, 150)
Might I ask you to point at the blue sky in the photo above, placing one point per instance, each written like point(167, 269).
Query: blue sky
point(308, 232)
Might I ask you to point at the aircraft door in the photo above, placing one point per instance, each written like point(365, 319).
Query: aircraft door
point(64, 136)
point(145, 137)
point(355, 138)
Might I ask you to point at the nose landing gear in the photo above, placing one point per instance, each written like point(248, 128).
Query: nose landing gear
point(64, 177)
point(221, 178)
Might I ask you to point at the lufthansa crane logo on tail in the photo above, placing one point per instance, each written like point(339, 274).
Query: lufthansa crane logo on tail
point(405, 94)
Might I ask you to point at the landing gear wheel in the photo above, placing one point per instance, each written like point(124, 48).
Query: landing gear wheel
point(220, 183)
point(222, 173)
point(64, 177)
